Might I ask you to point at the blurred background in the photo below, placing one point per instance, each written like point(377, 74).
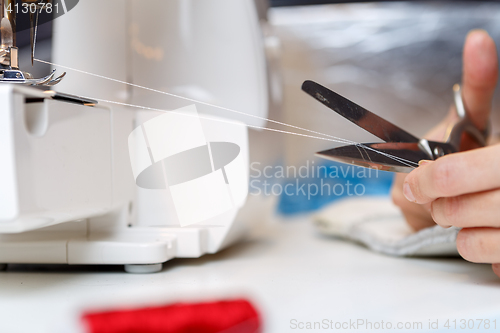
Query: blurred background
point(397, 59)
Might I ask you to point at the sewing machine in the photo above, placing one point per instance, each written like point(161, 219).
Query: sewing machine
point(69, 192)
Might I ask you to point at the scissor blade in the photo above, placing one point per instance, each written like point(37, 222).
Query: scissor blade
point(392, 156)
point(357, 114)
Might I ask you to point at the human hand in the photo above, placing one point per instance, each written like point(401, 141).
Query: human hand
point(462, 189)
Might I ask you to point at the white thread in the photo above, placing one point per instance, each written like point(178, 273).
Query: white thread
point(195, 101)
point(63, 3)
point(257, 127)
point(219, 120)
point(333, 138)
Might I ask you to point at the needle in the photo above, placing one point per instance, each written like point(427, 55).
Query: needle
point(33, 32)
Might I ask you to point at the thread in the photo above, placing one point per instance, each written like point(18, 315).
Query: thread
point(326, 136)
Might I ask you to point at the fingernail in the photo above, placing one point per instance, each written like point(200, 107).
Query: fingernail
point(424, 162)
point(407, 193)
point(462, 240)
point(477, 30)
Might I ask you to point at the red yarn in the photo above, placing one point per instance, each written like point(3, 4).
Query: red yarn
point(236, 316)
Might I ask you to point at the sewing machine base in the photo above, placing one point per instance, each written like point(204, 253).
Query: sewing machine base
point(69, 197)
point(94, 241)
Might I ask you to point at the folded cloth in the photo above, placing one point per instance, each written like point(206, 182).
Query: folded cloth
point(379, 225)
point(235, 316)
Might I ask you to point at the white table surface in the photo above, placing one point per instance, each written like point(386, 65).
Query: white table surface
point(288, 271)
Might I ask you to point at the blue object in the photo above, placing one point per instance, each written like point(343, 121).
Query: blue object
point(328, 182)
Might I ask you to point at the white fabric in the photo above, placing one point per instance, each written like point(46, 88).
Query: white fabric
point(379, 225)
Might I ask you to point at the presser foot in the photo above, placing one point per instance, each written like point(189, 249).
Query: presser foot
point(20, 77)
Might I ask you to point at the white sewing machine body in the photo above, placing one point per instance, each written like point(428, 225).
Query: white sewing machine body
point(68, 194)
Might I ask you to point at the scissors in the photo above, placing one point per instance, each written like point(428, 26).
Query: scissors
point(401, 151)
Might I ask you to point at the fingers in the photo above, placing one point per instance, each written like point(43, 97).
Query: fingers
point(457, 174)
point(496, 269)
point(453, 175)
point(470, 210)
point(480, 245)
point(417, 216)
point(480, 74)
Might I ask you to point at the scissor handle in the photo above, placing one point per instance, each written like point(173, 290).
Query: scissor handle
point(465, 124)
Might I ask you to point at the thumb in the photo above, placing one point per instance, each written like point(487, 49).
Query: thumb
point(480, 74)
